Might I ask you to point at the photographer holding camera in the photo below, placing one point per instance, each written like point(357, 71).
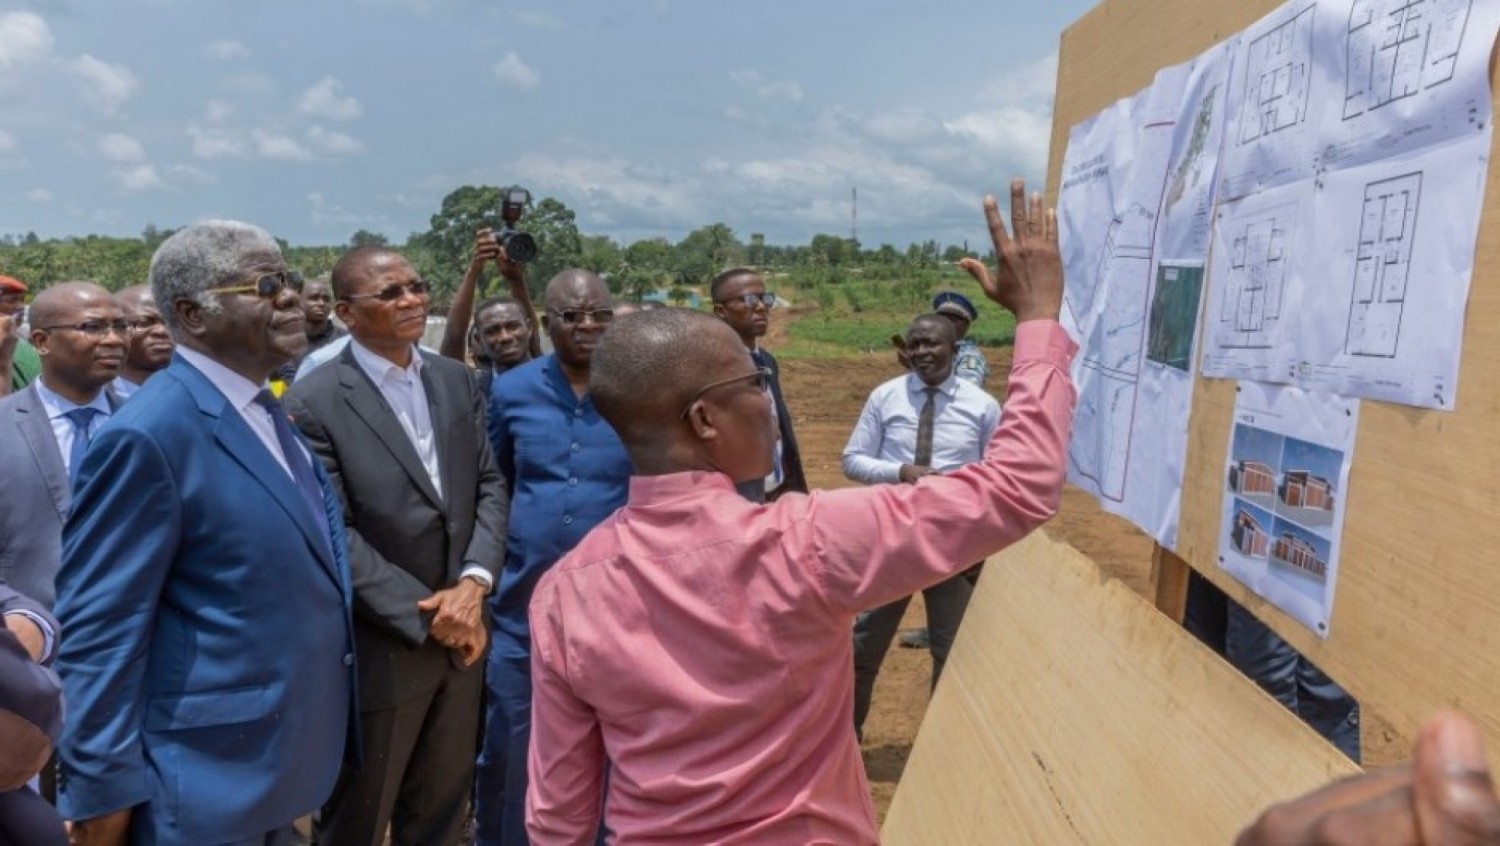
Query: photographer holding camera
point(504, 333)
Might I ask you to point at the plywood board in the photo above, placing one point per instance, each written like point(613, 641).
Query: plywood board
point(1416, 621)
point(1071, 711)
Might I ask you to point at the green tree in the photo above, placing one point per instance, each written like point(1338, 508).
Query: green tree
point(366, 238)
point(645, 266)
point(558, 244)
point(706, 251)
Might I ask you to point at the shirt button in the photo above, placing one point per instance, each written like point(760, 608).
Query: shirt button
point(578, 412)
point(573, 482)
point(576, 447)
point(349, 659)
point(567, 519)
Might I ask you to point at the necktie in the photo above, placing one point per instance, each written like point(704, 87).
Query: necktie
point(81, 418)
point(296, 459)
point(923, 457)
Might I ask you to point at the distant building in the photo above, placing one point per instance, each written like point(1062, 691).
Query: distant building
point(1252, 477)
point(1248, 536)
point(1298, 554)
point(1302, 489)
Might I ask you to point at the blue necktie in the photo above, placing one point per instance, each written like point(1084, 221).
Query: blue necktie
point(81, 418)
point(296, 460)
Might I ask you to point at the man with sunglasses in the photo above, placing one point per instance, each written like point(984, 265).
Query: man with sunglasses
point(402, 436)
point(699, 644)
point(208, 657)
point(567, 471)
point(740, 299)
point(148, 343)
point(45, 427)
point(928, 421)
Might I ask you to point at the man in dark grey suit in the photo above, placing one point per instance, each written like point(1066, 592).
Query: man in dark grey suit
point(402, 436)
point(77, 329)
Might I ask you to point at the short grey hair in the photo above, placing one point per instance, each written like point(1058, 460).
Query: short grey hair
point(205, 255)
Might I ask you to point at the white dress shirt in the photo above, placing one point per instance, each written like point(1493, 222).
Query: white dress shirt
point(62, 428)
point(407, 396)
point(124, 388)
point(885, 437)
point(241, 393)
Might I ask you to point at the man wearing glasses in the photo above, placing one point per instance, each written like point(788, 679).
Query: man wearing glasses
point(740, 299)
point(208, 662)
point(567, 471)
point(80, 336)
point(148, 343)
point(402, 437)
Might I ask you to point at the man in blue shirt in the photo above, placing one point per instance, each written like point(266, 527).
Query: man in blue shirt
point(567, 471)
point(923, 422)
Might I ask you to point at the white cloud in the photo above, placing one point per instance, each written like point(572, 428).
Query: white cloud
point(324, 212)
point(24, 38)
point(209, 143)
point(514, 73)
point(904, 126)
point(1033, 84)
point(325, 100)
point(106, 86)
point(250, 83)
point(188, 173)
point(218, 111)
point(39, 195)
point(1018, 136)
point(140, 178)
point(226, 49)
point(334, 143)
point(122, 149)
point(7, 142)
point(769, 89)
point(270, 145)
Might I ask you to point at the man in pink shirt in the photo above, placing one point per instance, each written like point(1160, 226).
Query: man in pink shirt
point(699, 643)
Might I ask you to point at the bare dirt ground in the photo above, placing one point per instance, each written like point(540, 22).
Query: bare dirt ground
point(825, 397)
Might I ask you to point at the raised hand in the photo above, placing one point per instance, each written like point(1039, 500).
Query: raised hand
point(1030, 279)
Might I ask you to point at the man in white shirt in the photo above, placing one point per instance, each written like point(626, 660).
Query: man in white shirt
point(402, 435)
point(79, 334)
point(922, 422)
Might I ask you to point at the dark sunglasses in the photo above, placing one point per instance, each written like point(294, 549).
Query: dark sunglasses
point(767, 299)
point(391, 293)
point(577, 316)
point(267, 286)
point(762, 377)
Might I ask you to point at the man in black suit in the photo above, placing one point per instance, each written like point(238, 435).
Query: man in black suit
point(741, 300)
point(402, 436)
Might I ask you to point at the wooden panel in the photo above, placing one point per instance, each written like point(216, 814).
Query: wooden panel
point(1071, 711)
point(1416, 621)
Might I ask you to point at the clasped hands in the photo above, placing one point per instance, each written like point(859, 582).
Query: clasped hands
point(458, 619)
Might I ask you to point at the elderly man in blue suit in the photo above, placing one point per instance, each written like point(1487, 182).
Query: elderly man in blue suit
point(208, 667)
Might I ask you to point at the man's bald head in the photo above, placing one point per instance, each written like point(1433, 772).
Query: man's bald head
point(572, 285)
point(60, 303)
point(134, 297)
point(651, 363)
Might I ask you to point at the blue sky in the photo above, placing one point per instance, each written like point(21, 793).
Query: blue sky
point(648, 118)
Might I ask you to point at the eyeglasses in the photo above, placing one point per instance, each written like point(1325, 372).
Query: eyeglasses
point(767, 299)
point(762, 377)
point(391, 293)
point(97, 330)
point(267, 286)
point(577, 316)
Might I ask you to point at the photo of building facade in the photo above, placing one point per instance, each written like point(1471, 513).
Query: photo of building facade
point(1252, 477)
point(1294, 552)
point(1302, 489)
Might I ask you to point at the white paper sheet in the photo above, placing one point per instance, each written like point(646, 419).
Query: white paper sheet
point(1284, 496)
point(1135, 210)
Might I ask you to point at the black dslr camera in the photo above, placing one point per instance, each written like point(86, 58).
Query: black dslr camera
point(519, 247)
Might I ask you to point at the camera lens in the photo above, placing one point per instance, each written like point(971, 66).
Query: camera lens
point(519, 246)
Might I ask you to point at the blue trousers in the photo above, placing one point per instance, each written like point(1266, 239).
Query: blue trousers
point(500, 774)
point(1272, 663)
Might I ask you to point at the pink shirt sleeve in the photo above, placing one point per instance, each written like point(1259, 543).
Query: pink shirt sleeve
point(872, 545)
point(565, 762)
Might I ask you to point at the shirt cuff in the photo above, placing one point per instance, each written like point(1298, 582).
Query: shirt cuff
point(481, 575)
point(1043, 341)
point(49, 637)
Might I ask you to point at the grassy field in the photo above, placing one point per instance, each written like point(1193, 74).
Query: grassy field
point(858, 312)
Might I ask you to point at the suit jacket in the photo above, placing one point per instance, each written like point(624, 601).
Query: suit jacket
point(405, 540)
point(35, 497)
point(208, 665)
point(31, 700)
point(793, 479)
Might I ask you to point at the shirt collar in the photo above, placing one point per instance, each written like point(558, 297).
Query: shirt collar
point(646, 491)
point(236, 388)
point(58, 405)
point(379, 368)
point(916, 387)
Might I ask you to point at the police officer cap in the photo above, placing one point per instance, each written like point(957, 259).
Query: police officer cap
point(956, 304)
